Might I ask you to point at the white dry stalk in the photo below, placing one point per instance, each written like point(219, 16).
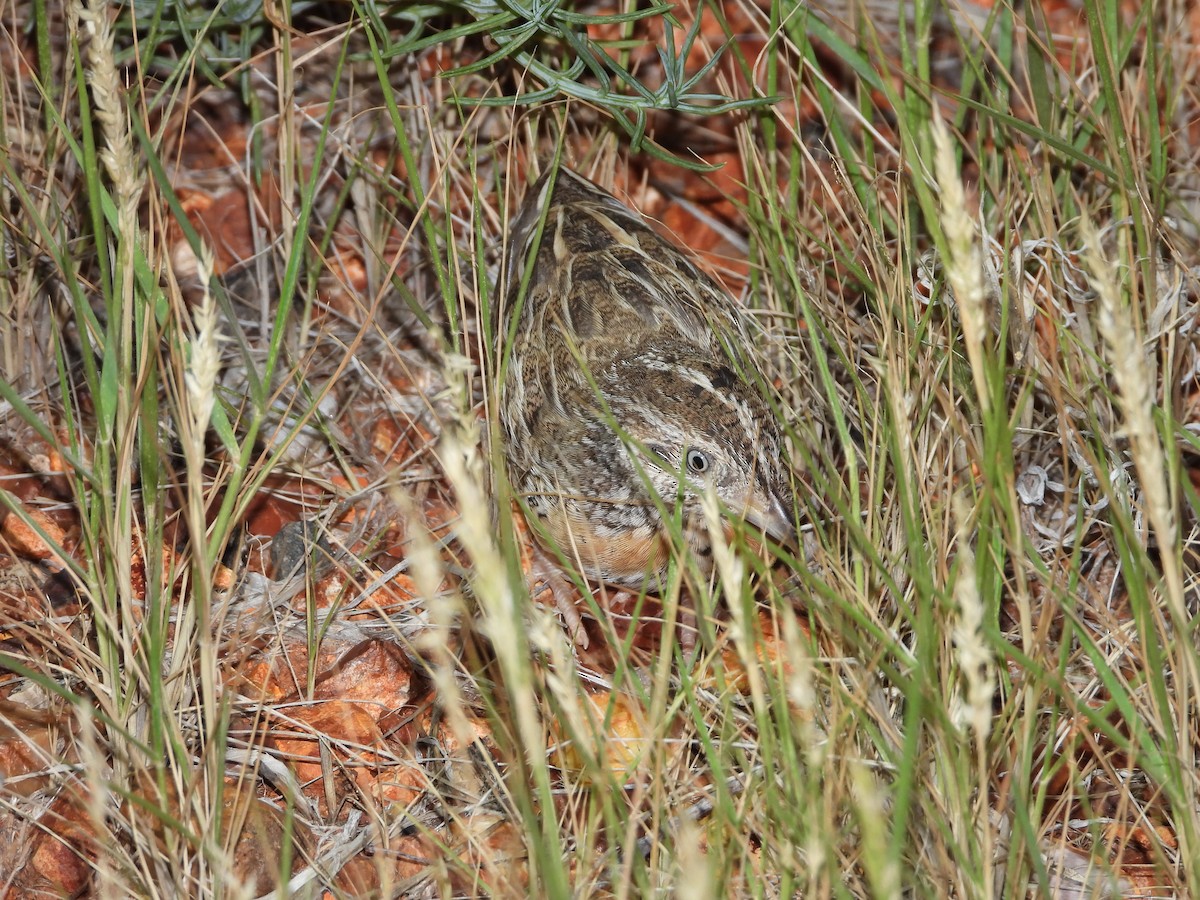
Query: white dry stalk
point(695, 875)
point(582, 727)
point(204, 359)
point(871, 804)
point(976, 667)
point(100, 803)
point(803, 701)
point(117, 154)
point(444, 613)
point(203, 365)
point(733, 573)
point(964, 261)
point(974, 656)
point(503, 618)
point(1131, 369)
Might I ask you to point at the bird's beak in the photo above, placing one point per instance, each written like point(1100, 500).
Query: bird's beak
point(767, 512)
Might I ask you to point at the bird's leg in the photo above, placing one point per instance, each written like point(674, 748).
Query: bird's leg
point(687, 629)
point(546, 570)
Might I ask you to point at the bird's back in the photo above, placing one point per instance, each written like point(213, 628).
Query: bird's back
point(604, 281)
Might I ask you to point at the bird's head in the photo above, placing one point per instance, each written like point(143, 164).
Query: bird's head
point(692, 424)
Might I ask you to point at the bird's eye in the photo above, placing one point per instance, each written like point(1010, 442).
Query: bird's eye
point(697, 461)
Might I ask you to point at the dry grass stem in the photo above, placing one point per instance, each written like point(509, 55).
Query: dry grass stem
point(964, 262)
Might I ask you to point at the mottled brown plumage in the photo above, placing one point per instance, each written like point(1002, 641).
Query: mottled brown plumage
point(624, 351)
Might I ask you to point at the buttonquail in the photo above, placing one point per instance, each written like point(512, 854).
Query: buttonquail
point(628, 372)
